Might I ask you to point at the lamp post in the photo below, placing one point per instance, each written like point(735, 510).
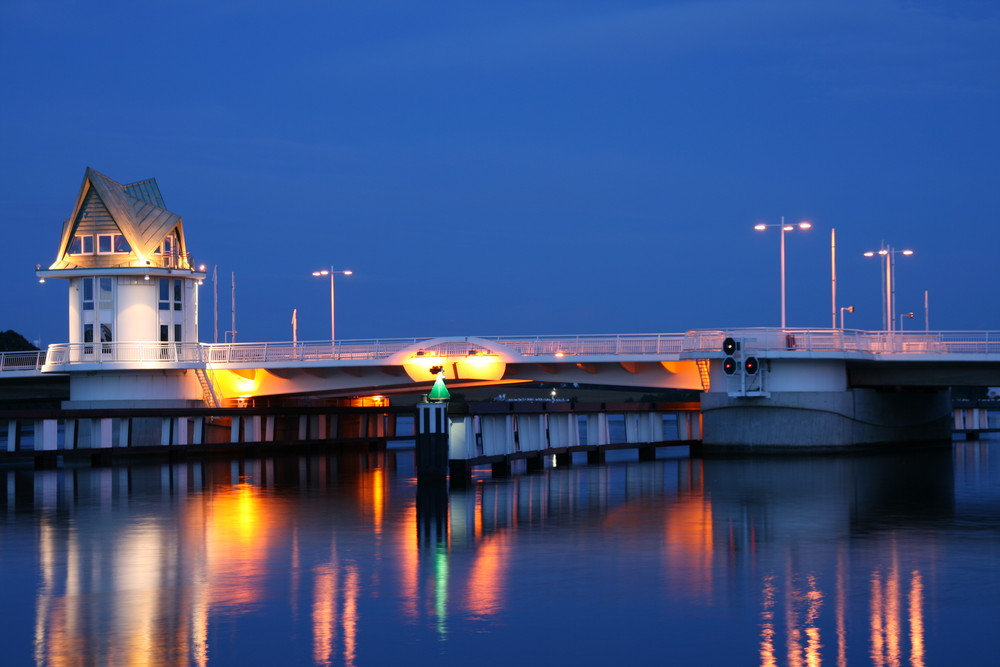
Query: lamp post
point(888, 283)
point(330, 272)
point(849, 309)
point(784, 228)
point(903, 316)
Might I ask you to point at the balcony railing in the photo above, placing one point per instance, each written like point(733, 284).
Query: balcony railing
point(61, 354)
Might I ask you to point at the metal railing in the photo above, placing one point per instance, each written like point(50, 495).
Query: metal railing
point(848, 341)
point(690, 344)
point(133, 352)
point(22, 361)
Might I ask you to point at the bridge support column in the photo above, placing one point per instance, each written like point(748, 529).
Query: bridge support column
point(817, 420)
point(597, 429)
point(46, 434)
point(105, 432)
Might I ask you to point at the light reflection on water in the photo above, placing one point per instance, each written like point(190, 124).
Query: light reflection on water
point(884, 560)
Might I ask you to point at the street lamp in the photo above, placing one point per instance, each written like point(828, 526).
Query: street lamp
point(330, 272)
point(903, 316)
point(849, 309)
point(888, 283)
point(784, 228)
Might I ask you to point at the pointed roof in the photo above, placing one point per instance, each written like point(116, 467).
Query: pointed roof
point(137, 210)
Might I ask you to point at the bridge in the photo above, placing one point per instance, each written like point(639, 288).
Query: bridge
point(778, 387)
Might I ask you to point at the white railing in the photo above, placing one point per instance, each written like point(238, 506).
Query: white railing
point(691, 344)
point(847, 341)
point(137, 352)
point(22, 361)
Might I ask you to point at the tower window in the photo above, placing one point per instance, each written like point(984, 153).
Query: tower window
point(82, 245)
point(112, 243)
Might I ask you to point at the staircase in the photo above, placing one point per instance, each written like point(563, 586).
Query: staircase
point(703, 374)
point(207, 392)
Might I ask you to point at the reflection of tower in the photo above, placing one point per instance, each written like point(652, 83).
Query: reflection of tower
point(432, 515)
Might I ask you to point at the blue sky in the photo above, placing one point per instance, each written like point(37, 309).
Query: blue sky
point(550, 167)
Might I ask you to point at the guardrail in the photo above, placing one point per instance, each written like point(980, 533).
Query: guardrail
point(61, 354)
point(691, 344)
point(22, 361)
point(848, 341)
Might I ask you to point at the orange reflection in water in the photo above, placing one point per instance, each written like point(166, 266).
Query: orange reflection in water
point(803, 602)
point(916, 619)
point(487, 579)
point(237, 531)
point(409, 561)
point(690, 540)
point(328, 594)
point(324, 613)
point(377, 485)
point(767, 653)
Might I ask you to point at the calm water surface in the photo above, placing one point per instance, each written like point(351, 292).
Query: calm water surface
point(342, 560)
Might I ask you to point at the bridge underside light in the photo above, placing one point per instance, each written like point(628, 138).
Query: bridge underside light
point(479, 366)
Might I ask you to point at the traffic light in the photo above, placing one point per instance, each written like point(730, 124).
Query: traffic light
point(751, 365)
point(730, 348)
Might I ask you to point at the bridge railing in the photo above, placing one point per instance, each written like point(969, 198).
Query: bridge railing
point(692, 343)
point(225, 353)
point(133, 352)
point(848, 341)
point(532, 346)
point(22, 361)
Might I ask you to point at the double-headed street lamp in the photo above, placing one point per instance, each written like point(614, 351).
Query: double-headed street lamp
point(330, 272)
point(784, 228)
point(888, 283)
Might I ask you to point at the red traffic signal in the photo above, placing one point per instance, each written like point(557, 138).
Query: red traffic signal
point(729, 365)
point(751, 365)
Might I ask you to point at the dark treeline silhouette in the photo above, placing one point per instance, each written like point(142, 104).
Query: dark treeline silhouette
point(11, 341)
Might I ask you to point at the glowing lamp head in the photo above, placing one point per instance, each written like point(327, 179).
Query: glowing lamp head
point(883, 251)
point(348, 272)
point(787, 228)
point(760, 227)
point(805, 225)
point(907, 252)
point(869, 254)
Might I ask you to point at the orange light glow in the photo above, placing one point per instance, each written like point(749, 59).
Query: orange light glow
point(419, 366)
point(324, 613)
point(409, 558)
point(480, 367)
point(916, 619)
point(487, 579)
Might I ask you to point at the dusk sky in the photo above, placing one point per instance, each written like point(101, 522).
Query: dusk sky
point(544, 167)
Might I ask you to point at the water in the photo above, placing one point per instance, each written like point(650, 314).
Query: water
point(341, 560)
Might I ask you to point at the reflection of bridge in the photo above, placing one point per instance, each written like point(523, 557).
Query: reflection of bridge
point(856, 386)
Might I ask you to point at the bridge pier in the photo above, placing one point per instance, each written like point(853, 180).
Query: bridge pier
point(816, 420)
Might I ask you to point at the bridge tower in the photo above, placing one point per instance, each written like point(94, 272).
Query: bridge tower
point(131, 279)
